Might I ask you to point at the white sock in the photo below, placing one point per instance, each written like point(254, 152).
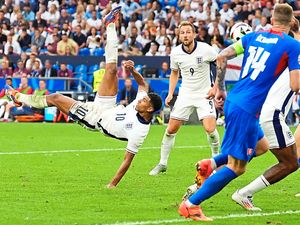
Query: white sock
point(38, 102)
point(166, 146)
point(214, 142)
point(189, 204)
point(6, 115)
point(111, 48)
point(213, 164)
point(258, 184)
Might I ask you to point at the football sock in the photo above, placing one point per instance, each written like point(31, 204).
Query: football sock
point(111, 48)
point(6, 115)
point(220, 159)
point(258, 184)
point(38, 102)
point(214, 142)
point(166, 146)
point(213, 185)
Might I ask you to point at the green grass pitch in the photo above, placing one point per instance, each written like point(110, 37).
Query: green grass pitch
point(43, 184)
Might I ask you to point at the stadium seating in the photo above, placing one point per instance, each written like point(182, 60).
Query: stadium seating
point(84, 52)
point(70, 67)
point(99, 52)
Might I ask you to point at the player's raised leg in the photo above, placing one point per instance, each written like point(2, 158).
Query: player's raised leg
point(63, 103)
point(109, 84)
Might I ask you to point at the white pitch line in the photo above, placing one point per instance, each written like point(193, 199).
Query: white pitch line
point(214, 217)
point(93, 150)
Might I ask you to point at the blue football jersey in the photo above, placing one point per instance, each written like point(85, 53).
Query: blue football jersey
point(266, 55)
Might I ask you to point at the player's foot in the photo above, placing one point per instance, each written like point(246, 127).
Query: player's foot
point(245, 201)
point(158, 169)
point(190, 191)
point(194, 213)
point(297, 195)
point(11, 94)
point(204, 170)
point(112, 16)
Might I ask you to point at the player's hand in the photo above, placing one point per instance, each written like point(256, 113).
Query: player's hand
point(211, 93)
point(220, 99)
point(128, 65)
point(168, 100)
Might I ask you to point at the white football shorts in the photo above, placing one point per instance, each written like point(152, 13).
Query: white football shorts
point(276, 130)
point(87, 114)
point(185, 105)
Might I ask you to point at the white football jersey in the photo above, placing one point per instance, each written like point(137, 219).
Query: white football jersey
point(126, 124)
point(280, 96)
point(194, 68)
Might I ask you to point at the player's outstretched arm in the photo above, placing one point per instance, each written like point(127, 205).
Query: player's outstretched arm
point(143, 86)
point(122, 169)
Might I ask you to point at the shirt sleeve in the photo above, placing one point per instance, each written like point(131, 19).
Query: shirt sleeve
point(173, 63)
point(136, 139)
point(294, 57)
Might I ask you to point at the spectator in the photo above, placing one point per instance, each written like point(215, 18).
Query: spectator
point(153, 50)
point(160, 15)
point(13, 15)
point(67, 42)
point(39, 21)
point(93, 40)
point(130, 8)
point(38, 40)
point(52, 15)
point(134, 50)
point(20, 70)
point(128, 93)
point(24, 88)
point(267, 11)
point(256, 19)
point(187, 11)
point(79, 37)
point(5, 71)
point(48, 70)
point(64, 18)
point(24, 39)
point(52, 31)
point(122, 72)
point(98, 76)
point(93, 21)
point(226, 14)
point(30, 62)
point(27, 13)
point(10, 42)
point(264, 25)
point(24, 58)
point(52, 48)
point(78, 21)
point(64, 71)
point(217, 40)
point(203, 35)
point(36, 69)
point(3, 19)
point(164, 71)
point(162, 48)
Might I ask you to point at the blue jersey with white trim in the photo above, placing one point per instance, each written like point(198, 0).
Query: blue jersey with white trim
point(266, 55)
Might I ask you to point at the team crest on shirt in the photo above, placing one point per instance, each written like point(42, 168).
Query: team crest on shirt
point(249, 151)
point(128, 125)
point(199, 60)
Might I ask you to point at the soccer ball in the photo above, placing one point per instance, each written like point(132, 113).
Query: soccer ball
point(238, 30)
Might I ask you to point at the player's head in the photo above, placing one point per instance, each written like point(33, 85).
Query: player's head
point(282, 15)
point(150, 103)
point(187, 33)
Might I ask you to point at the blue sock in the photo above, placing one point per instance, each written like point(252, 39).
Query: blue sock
point(221, 159)
point(299, 162)
point(213, 185)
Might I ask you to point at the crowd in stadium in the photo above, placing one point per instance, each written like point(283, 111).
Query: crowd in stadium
point(147, 27)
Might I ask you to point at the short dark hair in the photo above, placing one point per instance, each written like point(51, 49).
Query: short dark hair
point(8, 78)
point(155, 100)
